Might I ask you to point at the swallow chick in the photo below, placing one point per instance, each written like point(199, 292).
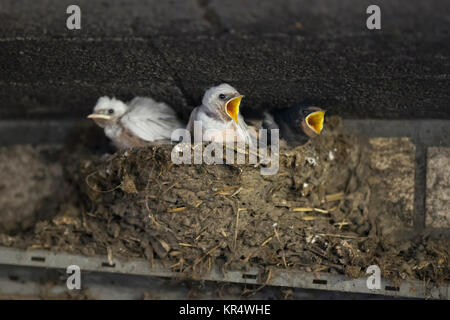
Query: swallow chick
point(220, 116)
point(297, 124)
point(139, 123)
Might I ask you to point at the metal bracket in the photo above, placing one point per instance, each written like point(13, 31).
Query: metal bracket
point(279, 277)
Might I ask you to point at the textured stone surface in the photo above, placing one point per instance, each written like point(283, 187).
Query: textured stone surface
point(31, 186)
point(394, 161)
point(275, 52)
point(117, 18)
point(438, 188)
point(329, 18)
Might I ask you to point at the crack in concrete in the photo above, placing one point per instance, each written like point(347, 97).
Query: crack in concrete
point(177, 81)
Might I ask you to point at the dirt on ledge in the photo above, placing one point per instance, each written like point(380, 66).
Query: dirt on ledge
point(337, 204)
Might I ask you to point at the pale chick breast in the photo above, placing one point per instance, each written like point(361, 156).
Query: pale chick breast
point(113, 132)
point(122, 138)
point(218, 130)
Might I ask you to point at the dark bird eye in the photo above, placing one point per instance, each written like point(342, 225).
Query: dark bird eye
point(111, 111)
point(222, 96)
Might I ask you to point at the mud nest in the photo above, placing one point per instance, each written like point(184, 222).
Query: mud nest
point(328, 209)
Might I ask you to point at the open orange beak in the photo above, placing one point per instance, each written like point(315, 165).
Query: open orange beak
point(99, 116)
point(315, 121)
point(232, 107)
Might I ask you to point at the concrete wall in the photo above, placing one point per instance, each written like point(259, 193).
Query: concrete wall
point(275, 52)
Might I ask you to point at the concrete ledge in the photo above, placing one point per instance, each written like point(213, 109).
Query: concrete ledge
point(284, 278)
point(438, 188)
point(276, 53)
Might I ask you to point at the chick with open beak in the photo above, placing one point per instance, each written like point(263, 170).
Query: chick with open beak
point(220, 117)
point(297, 124)
point(139, 123)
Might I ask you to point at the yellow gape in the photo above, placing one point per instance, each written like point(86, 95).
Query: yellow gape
point(232, 107)
point(315, 121)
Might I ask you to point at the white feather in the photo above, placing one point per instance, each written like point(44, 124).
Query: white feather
point(150, 120)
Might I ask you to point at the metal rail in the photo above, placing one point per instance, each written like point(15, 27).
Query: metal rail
point(279, 277)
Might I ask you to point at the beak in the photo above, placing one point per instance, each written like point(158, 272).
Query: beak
point(232, 107)
point(314, 121)
point(99, 116)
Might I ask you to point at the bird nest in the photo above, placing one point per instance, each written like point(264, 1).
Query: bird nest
point(325, 210)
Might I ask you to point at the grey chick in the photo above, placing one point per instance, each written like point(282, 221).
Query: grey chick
point(297, 124)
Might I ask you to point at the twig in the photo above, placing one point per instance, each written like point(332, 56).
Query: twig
point(309, 210)
point(282, 247)
point(340, 236)
point(96, 190)
point(334, 197)
point(269, 276)
point(150, 215)
point(173, 210)
point(302, 209)
point(267, 241)
point(185, 244)
point(236, 229)
point(197, 261)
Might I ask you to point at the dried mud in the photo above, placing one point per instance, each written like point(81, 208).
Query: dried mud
point(31, 186)
point(330, 208)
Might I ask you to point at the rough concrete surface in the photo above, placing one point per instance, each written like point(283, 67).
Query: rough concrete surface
point(438, 188)
point(275, 52)
point(394, 158)
point(117, 18)
point(31, 185)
